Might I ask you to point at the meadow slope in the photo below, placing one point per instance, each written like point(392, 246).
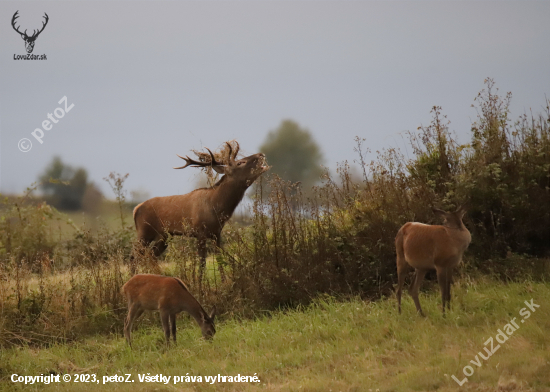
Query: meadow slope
point(327, 346)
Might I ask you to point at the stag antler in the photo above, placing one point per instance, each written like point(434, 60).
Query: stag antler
point(213, 159)
point(193, 163)
point(232, 155)
point(236, 150)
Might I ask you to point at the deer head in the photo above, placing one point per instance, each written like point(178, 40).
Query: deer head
point(245, 170)
point(29, 41)
point(452, 219)
point(207, 324)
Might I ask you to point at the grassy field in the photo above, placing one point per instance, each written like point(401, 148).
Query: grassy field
point(61, 310)
point(109, 218)
point(328, 346)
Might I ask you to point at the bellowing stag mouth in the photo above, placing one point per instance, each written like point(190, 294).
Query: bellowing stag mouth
point(262, 164)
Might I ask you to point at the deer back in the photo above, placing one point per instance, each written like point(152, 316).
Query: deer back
point(180, 214)
point(155, 292)
point(427, 246)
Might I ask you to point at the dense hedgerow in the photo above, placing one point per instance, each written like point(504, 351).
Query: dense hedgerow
point(342, 240)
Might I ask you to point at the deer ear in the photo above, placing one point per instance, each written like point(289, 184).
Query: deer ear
point(437, 211)
point(219, 169)
point(213, 314)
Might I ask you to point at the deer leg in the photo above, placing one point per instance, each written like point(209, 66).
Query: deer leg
point(147, 256)
point(449, 282)
point(132, 264)
point(201, 247)
point(133, 314)
point(146, 236)
point(401, 275)
point(138, 248)
point(444, 279)
point(419, 277)
point(173, 325)
point(159, 247)
point(220, 266)
point(164, 317)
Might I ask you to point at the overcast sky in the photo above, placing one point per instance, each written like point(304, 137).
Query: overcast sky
point(150, 80)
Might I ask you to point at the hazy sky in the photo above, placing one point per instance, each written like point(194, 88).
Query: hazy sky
point(150, 80)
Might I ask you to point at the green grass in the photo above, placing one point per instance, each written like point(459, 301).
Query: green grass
point(328, 346)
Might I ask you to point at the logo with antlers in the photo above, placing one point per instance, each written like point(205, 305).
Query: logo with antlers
point(29, 41)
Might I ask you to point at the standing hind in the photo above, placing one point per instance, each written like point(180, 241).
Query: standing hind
point(425, 247)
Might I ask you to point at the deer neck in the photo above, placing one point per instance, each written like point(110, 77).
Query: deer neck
point(460, 234)
point(199, 314)
point(228, 195)
point(460, 226)
point(195, 309)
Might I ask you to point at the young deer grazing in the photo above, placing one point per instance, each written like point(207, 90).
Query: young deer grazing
point(203, 212)
point(170, 296)
point(424, 247)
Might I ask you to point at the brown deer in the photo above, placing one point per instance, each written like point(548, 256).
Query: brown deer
point(170, 296)
point(203, 212)
point(424, 247)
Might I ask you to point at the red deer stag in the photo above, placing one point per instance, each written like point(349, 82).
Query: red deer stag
point(170, 296)
point(424, 247)
point(203, 212)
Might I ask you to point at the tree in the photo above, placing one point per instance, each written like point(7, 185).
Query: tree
point(293, 154)
point(64, 185)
